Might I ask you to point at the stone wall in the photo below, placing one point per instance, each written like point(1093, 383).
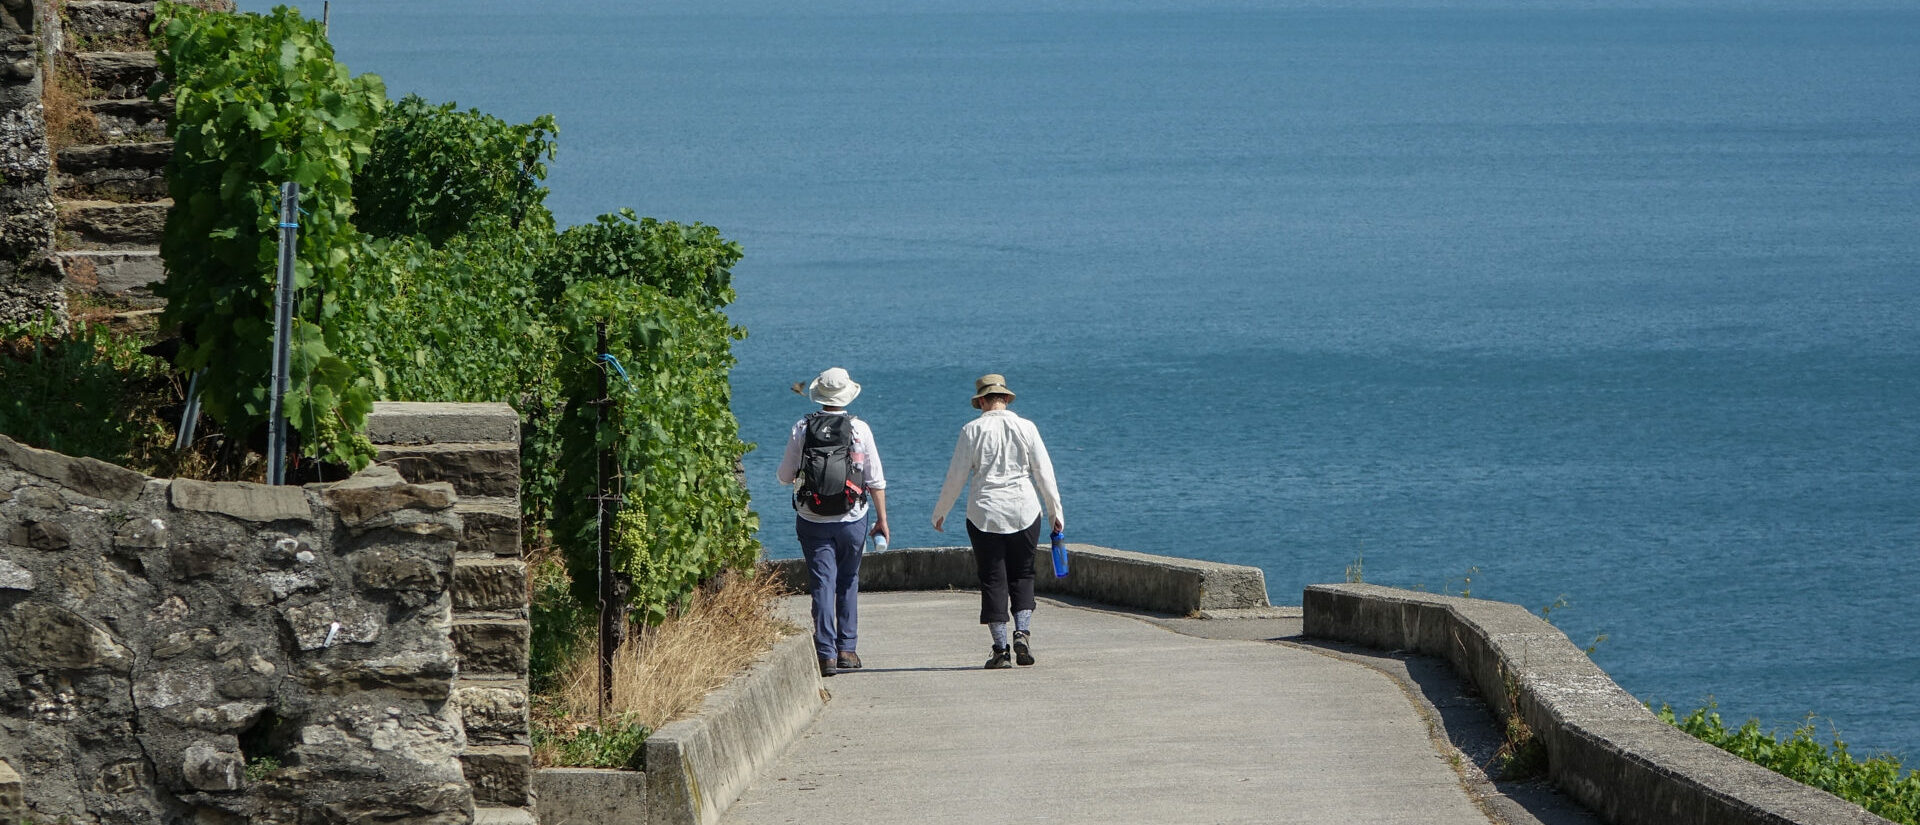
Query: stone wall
point(178, 651)
point(476, 448)
point(30, 278)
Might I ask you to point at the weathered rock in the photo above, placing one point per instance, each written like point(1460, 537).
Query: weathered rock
point(90, 477)
point(13, 794)
point(242, 500)
point(363, 500)
point(501, 774)
point(493, 715)
point(491, 646)
point(214, 766)
point(195, 559)
point(42, 535)
point(40, 498)
point(393, 568)
point(489, 527)
point(141, 534)
point(484, 470)
point(490, 584)
point(424, 675)
point(15, 577)
point(49, 636)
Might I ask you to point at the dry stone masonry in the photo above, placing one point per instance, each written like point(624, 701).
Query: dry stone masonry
point(30, 283)
point(183, 651)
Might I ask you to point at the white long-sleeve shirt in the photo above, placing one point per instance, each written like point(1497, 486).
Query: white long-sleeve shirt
point(864, 453)
point(1008, 461)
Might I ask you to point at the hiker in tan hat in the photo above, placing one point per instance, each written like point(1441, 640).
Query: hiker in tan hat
point(835, 470)
point(1012, 475)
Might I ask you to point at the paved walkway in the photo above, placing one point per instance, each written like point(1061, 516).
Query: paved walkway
point(1121, 721)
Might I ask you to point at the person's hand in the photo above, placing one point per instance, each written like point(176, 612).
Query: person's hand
point(1058, 525)
point(938, 521)
point(880, 529)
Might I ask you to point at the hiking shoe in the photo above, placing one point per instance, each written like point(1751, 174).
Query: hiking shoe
point(826, 666)
point(1023, 647)
point(849, 660)
point(1001, 659)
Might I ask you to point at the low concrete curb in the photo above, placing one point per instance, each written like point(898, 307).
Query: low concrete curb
point(696, 767)
point(590, 796)
point(1161, 584)
point(1604, 748)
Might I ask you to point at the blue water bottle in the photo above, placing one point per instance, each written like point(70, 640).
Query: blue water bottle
point(1059, 555)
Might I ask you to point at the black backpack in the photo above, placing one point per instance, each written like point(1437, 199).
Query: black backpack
point(832, 481)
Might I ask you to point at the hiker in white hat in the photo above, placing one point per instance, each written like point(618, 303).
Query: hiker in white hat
point(1011, 476)
point(835, 469)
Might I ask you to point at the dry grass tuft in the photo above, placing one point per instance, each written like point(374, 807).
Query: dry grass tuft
point(69, 122)
point(661, 673)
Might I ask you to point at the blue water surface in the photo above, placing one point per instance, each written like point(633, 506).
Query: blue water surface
point(1616, 306)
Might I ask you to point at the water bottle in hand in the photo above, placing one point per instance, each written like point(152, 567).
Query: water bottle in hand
point(879, 543)
point(1059, 555)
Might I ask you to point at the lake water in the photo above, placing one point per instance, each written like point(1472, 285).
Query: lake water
point(1544, 301)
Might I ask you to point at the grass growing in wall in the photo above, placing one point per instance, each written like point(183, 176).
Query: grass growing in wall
point(1878, 784)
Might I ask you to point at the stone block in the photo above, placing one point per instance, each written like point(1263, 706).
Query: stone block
point(13, 792)
point(108, 20)
point(244, 500)
point(372, 497)
point(213, 766)
point(420, 675)
point(485, 469)
point(401, 568)
point(490, 646)
point(124, 273)
point(41, 535)
point(486, 584)
point(194, 559)
point(130, 120)
point(494, 715)
point(428, 422)
point(15, 577)
point(500, 774)
point(590, 796)
point(49, 636)
point(120, 75)
point(489, 527)
point(87, 476)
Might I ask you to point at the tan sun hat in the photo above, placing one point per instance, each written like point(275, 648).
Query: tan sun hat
point(833, 388)
point(992, 383)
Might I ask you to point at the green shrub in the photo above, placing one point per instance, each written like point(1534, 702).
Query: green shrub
point(92, 393)
point(437, 172)
point(259, 100)
point(1876, 784)
point(617, 745)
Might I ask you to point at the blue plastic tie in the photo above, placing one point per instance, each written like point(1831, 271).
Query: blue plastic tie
point(607, 358)
point(289, 226)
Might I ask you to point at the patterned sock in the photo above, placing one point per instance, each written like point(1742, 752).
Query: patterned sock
point(1023, 621)
point(999, 631)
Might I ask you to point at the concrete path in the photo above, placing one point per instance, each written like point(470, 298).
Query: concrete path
point(1121, 721)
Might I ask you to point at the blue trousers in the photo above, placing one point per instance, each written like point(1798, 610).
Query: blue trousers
point(832, 551)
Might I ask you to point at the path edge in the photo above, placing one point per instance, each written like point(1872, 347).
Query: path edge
point(1604, 748)
point(698, 766)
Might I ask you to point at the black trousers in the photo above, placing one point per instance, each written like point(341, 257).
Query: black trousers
point(1005, 562)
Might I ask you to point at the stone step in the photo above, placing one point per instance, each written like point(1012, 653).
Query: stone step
point(132, 119)
point(490, 527)
point(502, 816)
point(119, 75)
point(494, 712)
point(96, 23)
point(110, 225)
point(494, 585)
point(492, 645)
point(501, 775)
point(481, 468)
point(117, 171)
point(123, 274)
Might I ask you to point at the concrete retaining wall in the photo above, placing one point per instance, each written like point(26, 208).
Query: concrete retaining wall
point(697, 767)
point(1604, 747)
point(1118, 577)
